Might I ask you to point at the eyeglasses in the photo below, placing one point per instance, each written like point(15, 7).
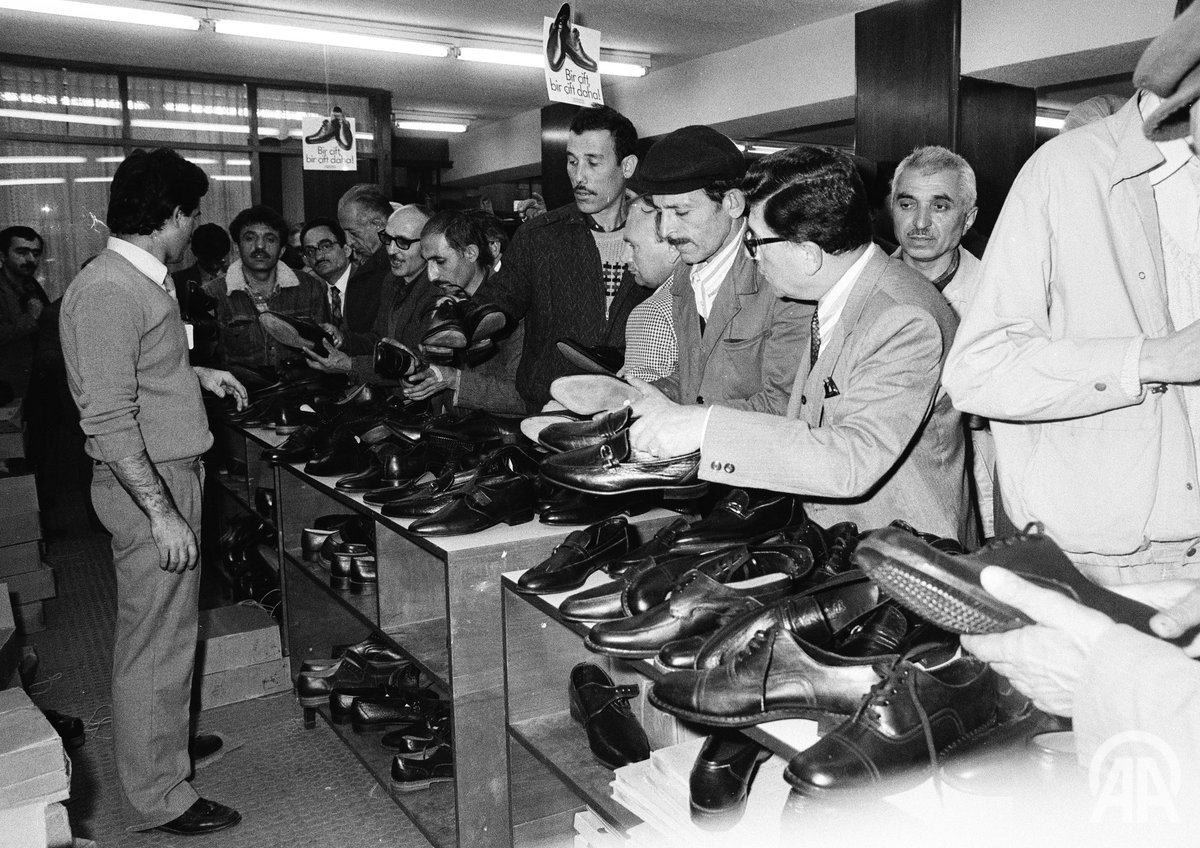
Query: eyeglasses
point(310, 251)
point(752, 243)
point(400, 241)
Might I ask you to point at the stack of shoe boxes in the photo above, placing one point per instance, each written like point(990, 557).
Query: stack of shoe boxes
point(239, 656)
point(35, 776)
point(30, 581)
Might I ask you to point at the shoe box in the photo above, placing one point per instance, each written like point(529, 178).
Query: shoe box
point(238, 656)
point(30, 581)
point(35, 775)
point(12, 437)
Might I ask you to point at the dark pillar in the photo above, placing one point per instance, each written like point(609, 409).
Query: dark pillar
point(996, 134)
point(556, 121)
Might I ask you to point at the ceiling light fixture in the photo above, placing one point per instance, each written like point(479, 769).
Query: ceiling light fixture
point(231, 178)
point(333, 38)
point(763, 149)
point(59, 117)
point(23, 181)
point(93, 179)
point(536, 59)
point(1048, 122)
point(430, 126)
point(43, 160)
point(97, 12)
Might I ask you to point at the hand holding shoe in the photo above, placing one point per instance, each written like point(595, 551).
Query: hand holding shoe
point(665, 428)
point(434, 379)
point(1178, 602)
point(336, 362)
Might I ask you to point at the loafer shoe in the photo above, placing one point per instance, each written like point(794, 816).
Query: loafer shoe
point(614, 734)
point(719, 783)
point(700, 603)
point(202, 817)
point(580, 554)
point(659, 545)
point(909, 719)
point(613, 467)
point(396, 708)
point(476, 428)
point(945, 589)
point(588, 394)
point(301, 445)
point(597, 359)
point(741, 517)
point(585, 434)
point(409, 774)
point(295, 332)
point(484, 504)
point(532, 425)
point(575, 508)
point(363, 575)
point(344, 557)
point(345, 456)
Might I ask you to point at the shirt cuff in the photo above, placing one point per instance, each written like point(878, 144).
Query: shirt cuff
point(1131, 368)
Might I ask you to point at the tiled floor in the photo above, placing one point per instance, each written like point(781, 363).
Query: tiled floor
point(293, 787)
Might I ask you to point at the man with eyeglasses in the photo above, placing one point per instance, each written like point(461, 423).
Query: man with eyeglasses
point(323, 246)
point(739, 345)
point(407, 297)
point(868, 435)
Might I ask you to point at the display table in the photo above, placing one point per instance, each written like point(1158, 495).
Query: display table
point(439, 602)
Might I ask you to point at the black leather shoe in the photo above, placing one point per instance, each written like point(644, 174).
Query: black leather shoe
point(569, 436)
point(741, 517)
point(342, 564)
point(573, 47)
point(945, 589)
point(558, 33)
point(393, 361)
point(482, 322)
point(444, 327)
point(345, 456)
point(484, 504)
point(721, 776)
point(203, 745)
point(398, 707)
point(594, 359)
point(411, 773)
point(581, 553)
point(614, 734)
point(434, 730)
point(372, 462)
point(833, 549)
point(478, 429)
point(575, 508)
point(701, 602)
point(326, 132)
point(925, 707)
point(301, 445)
point(70, 729)
point(202, 817)
point(661, 544)
point(363, 575)
point(296, 332)
point(613, 467)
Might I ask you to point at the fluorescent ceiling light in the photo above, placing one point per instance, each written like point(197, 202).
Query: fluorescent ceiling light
point(103, 159)
point(242, 162)
point(93, 179)
point(22, 181)
point(363, 136)
point(201, 161)
point(763, 149)
point(430, 126)
point(276, 32)
point(194, 126)
point(528, 59)
point(30, 115)
point(1048, 122)
point(42, 160)
point(96, 12)
point(231, 178)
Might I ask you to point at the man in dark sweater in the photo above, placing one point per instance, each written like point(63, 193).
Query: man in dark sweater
point(139, 402)
point(565, 273)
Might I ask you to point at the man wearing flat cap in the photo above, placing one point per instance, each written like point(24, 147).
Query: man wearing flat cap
point(1082, 344)
point(739, 345)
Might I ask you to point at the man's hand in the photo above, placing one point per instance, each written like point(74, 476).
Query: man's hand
point(663, 427)
point(1046, 660)
point(434, 379)
point(221, 383)
point(177, 547)
point(335, 334)
point(531, 208)
point(1179, 605)
point(35, 308)
point(1174, 358)
point(335, 363)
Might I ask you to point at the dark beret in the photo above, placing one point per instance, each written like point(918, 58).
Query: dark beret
point(687, 159)
point(1170, 68)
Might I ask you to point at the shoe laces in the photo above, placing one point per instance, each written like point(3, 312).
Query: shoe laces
point(1032, 529)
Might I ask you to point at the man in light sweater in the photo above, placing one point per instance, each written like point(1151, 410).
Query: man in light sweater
point(139, 402)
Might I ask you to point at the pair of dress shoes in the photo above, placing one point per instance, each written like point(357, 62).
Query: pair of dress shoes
point(354, 567)
point(463, 324)
point(477, 428)
point(295, 332)
point(334, 128)
point(370, 663)
point(615, 736)
point(393, 361)
point(567, 436)
point(564, 42)
point(577, 557)
point(485, 502)
point(425, 497)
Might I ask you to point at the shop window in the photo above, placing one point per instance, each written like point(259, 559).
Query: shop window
point(59, 102)
point(189, 112)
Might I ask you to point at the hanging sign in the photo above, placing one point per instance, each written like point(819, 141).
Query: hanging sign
point(329, 143)
point(572, 70)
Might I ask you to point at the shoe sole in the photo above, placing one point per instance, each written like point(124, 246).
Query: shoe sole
point(669, 492)
point(451, 339)
point(587, 394)
point(415, 785)
point(618, 652)
point(929, 589)
point(749, 720)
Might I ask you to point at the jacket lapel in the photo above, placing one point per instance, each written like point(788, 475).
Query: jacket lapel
point(739, 281)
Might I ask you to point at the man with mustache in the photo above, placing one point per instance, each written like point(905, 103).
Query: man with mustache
point(739, 345)
point(933, 206)
point(565, 273)
point(362, 212)
point(258, 282)
point(21, 303)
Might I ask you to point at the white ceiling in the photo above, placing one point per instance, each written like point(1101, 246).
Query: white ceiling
point(669, 31)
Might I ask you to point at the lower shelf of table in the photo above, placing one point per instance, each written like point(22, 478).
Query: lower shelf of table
point(432, 810)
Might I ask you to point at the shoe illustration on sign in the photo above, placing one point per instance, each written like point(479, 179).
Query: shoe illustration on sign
point(329, 145)
point(571, 71)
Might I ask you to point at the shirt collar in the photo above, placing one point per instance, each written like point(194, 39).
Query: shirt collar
point(1175, 152)
point(344, 280)
point(235, 277)
point(723, 258)
point(829, 308)
point(140, 259)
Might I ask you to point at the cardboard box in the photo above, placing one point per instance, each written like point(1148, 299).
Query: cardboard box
point(34, 769)
point(29, 586)
point(31, 618)
point(234, 637)
point(21, 527)
point(219, 688)
point(10, 648)
point(17, 494)
point(19, 559)
point(58, 827)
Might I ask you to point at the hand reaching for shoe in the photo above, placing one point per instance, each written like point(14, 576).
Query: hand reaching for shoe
point(336, 362)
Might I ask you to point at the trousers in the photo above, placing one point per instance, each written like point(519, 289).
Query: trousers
point(154, 649)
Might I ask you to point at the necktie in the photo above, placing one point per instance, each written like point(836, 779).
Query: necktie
point(814, 340)
point(335, 305)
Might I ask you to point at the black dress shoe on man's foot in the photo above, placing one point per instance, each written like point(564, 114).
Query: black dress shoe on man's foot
point(945, 589)
point(614, 734)
point(202, 817)
point(720, 780)
point(203, 745)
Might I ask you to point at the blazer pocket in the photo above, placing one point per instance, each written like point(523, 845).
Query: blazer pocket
point(740, 365)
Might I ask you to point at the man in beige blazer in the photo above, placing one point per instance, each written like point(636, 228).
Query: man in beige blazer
point(868, 435)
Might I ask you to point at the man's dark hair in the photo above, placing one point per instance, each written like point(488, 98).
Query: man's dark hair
point(328, 223)
point(493, 230)
point(811, 194)
point(369, 198)
point(19, 232)
point(624, 136)
point(461, 229)
point(1181, 7)
point(716, 191)
point(210, 242)
point(147, 188)
point(259, 215)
